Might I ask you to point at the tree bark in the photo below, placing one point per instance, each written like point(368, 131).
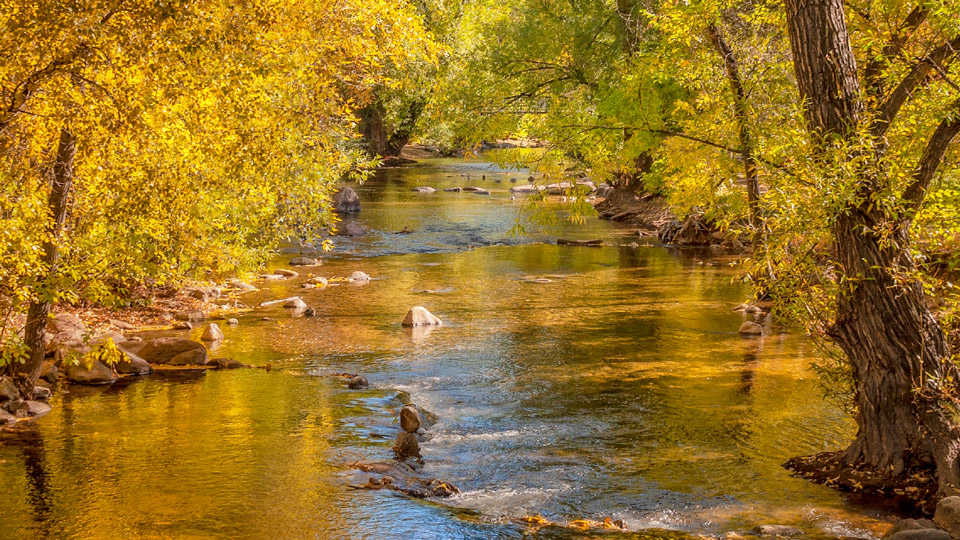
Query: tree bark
point(896, 348)
point(741, 110)
point(39, 309)
point(380, 142)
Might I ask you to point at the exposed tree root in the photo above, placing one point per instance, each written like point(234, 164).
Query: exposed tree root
point(911, 493)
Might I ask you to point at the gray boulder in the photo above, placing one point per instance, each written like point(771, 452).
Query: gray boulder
point(173, 351)
point(346, 201)
point(212, 333)
point(424, 189)
point(49, 372)
point(8, 390)
point(358, 382)
point(304, 261)
point(409, 419)
point(919, 534)
point(351, 229)
point(750, 328)
point(776, 530)
point(97, 373)
point(132, 364)
point(295, 303)
point(359, 276)
point(947, 516)
point(419, 316)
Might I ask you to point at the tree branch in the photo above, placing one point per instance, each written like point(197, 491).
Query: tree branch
point(932, 157)
point(917, 75)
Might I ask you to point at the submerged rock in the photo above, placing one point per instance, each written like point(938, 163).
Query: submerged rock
point(453, 189)
point(233, 322)
point(304, 261)
point(346, 201)
point(228, 363)
point(212, 333)
point(183, 325)
point(419, 316)
point(356, 383)
point(406, 446)
point(776, 530)
point(424, 189)
point(285, 272)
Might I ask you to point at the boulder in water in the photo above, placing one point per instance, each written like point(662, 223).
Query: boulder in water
point(359, 276)
point(295, 303)
point(947, 516)
point(212, 333)
point(97, 373)
point(424, 189)
point(776, 530)
point(406, 446)
point(132, 364)
point(352, 229)
point(190, 316)
point(356, 383)
point(8, 390)
point(409, 419)
point(304, 261)
point(286, 273)
point(419, 316)
point(346, 201)
point(171, 351)
point(750, 328)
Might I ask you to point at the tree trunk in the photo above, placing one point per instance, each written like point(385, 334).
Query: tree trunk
point(896, 348)
point(373, 130)
point(39, 309)
point(747, 147)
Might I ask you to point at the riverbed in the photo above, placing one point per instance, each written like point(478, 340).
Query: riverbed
point(569, 382)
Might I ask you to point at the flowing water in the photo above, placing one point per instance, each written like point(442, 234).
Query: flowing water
point(616, 385)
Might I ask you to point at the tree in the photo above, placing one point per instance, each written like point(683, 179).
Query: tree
point(905, 381)
point(200, 135)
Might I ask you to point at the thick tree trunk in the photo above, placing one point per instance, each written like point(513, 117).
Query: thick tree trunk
point(39, 309)
point(896, 348)
point(741, 110)
point(380, 142)
point(373, 130)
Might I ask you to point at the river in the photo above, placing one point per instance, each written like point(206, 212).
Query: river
point(614, 385)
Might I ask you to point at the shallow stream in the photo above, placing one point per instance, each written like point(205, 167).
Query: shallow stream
point(615, 386)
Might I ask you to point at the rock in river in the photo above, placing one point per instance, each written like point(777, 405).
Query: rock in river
point(212, 333)
point(98, 373)
point(132, 364)
point(346, 201)
point(409, 419)
point(359, 276)
point(295, 303)
point(304, 261)
point(358, 382)
point(419, 316)
point(750, 328)
point(172, 351)
point(947, 516)
point(424, 189)
point(286, 273)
